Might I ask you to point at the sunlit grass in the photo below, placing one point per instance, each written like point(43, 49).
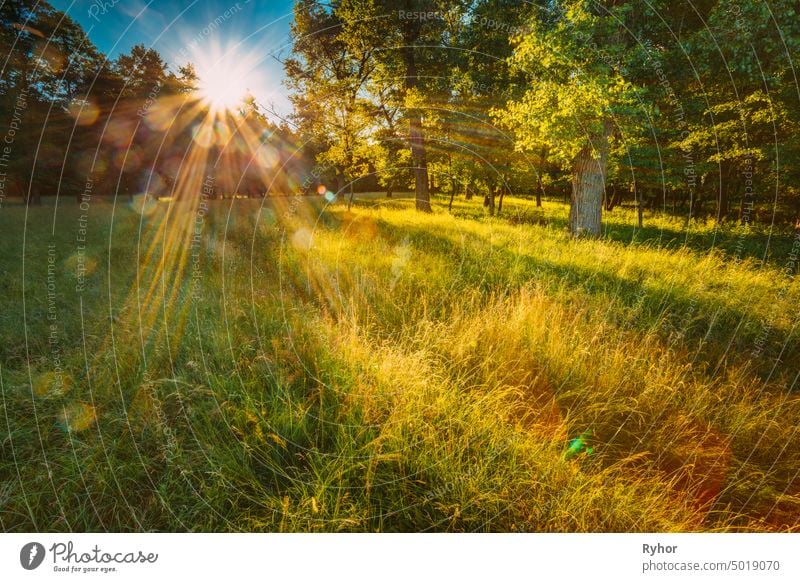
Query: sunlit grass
point(382, 370)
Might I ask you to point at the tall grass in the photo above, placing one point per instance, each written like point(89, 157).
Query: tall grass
point(300, 368)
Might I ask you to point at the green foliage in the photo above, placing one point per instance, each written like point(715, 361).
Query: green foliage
point(328, 73)
point(689, 130)
point(577, 85)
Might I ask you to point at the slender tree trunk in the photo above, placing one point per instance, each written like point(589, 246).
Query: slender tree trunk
point(637, 202)
point(614, 197)
point(722, 208)
point(452, 195)
point(451, 179)
point(389, 191)
point(539, 188)
point(588, 186)
point(418, 155)
point(34, 196)
point(695, 202)
point(488, 201)
point(539, 184)
point(500, 201)
point(639, 211)
point(352, 194)
point(723, 204)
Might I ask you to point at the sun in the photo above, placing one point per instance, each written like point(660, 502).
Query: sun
point(222, 88)
point(226, 75)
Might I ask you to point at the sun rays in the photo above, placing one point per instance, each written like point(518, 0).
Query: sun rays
point(227, 75)
point(207, 141)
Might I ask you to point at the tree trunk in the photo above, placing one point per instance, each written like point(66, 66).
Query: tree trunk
point(722, 207)
point(340, 183)
point(34, 196)
point(539, 184)
point(637, 201)
point(500, 201)
point(488, 201)
point(682, 201)
point(613, 198)
point(639, 213)
point(420, 164)
point(722, 201)
point(352, 194)
point(588, 185)
point(539, 188)
point(694, 201)
point(450, 177)
point(418, 156)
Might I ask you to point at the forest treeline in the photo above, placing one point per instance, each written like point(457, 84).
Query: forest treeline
point(685, 107)
point(690, 107)
point(72, 120)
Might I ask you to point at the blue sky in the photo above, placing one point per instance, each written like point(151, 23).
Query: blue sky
point(247, 34)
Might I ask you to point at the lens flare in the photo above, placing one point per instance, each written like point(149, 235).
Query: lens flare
point(226, 76)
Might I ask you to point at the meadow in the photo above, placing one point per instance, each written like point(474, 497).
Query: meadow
point(287, 365)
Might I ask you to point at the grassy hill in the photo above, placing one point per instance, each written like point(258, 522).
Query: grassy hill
point(288, 367)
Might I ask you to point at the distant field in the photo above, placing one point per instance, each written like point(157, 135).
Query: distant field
point(282, 365)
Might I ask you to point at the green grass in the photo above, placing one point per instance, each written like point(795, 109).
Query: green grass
point(381, 370)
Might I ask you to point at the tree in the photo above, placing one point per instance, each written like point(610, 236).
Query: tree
point(44, 88)
point(328, 73)
point(390, 159)
point(749, 104)
point(483, 81)
point(142, 69)
point(579, 97)
point(408, 42)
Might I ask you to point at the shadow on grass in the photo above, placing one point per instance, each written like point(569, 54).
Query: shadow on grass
point(730, 239)
point(708, 331)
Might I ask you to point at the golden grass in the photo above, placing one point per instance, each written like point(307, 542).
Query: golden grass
point(380, 370)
